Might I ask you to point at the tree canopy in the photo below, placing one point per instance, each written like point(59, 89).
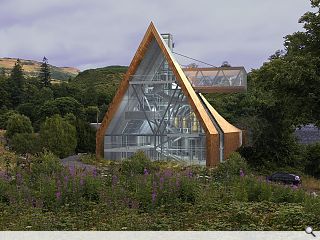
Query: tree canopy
point(58, 136)
point(45, 74)
point(18, 124)
point(282, 95)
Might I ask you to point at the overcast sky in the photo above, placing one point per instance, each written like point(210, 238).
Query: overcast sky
point(96, 33)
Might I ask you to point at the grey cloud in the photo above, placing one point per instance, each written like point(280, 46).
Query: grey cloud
point(97, 33)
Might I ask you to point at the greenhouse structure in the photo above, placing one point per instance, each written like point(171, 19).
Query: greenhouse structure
point(159, 108)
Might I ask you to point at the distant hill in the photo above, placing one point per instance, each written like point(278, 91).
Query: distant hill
point(100, 78)
point(31, 69)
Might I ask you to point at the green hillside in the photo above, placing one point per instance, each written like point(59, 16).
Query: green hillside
point(100, 78)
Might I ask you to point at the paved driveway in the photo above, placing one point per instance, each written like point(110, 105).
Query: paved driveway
point(75, 161)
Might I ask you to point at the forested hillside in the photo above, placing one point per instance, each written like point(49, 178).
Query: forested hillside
point(32, 101)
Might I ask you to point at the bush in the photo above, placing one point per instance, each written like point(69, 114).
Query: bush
point(86, 137)
point(4, 191)
point(189, 189)
point(138, 163)
point(253, 190)
point(26, 143)
point(4, 118)
point(231, 168)
point(18, 124)
point(290, 218)
point(46, 164)
point(58, 136)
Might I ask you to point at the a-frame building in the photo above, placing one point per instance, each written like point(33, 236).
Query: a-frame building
point(157, 110)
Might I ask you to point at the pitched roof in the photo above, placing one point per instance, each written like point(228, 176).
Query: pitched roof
point(226, 127)
point(182, 80)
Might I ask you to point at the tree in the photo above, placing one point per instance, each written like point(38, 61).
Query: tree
point(58, 136)
point(62, 106)
point(4, 116)
point(86, 136)
point(303, 50)
point(308, 41)
point(18, 124)
point(16, 84)
point(45, 74)
point(89, 96)
point(282, 94)
point(91, 113)
point(5, 100)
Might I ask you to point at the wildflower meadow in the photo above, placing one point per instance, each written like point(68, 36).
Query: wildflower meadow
point(138, 194)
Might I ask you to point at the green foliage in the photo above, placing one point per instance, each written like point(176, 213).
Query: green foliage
point(16, 84)
point(5, 100)
point(58, 136)
point(70, 118)
point(45, 74)
point(282, 95)
point(7, 161)
point(29, 110)
point(26, 143)
point(4, 117)
point(45, 164)
point(98, 86)
point(291, 218)
point(231, 168)
point(91, 113)
point(137, 164)
point(189, 189)
point(249, 189)
point(161, 199)
point(62, 106)
point(313, 160)
point(18, 124)
point(86, 137)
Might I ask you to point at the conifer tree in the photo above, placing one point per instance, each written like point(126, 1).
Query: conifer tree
point(45, 74)
point(16, 83)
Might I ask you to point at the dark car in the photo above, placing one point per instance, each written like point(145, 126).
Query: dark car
point(286, 178)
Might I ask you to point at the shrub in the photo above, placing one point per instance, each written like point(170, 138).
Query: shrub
point(46, 164)
point(4, 190)
point(188, 190)
point(138, 163)
point(18, 124)
point(92, 188)
point(312, 205)
point(58, 136)
point(4, 117)
point(25, 143)
point(86, 137)
point(253, 190)
point(290, 218)
point(231, 168)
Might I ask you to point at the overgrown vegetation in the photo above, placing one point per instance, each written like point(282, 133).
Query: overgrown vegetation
point(152, 196)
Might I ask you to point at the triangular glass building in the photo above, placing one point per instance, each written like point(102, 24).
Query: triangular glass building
point(158, 110)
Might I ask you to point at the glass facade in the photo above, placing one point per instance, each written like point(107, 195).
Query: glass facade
point(224, 77)
point(154, 116)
